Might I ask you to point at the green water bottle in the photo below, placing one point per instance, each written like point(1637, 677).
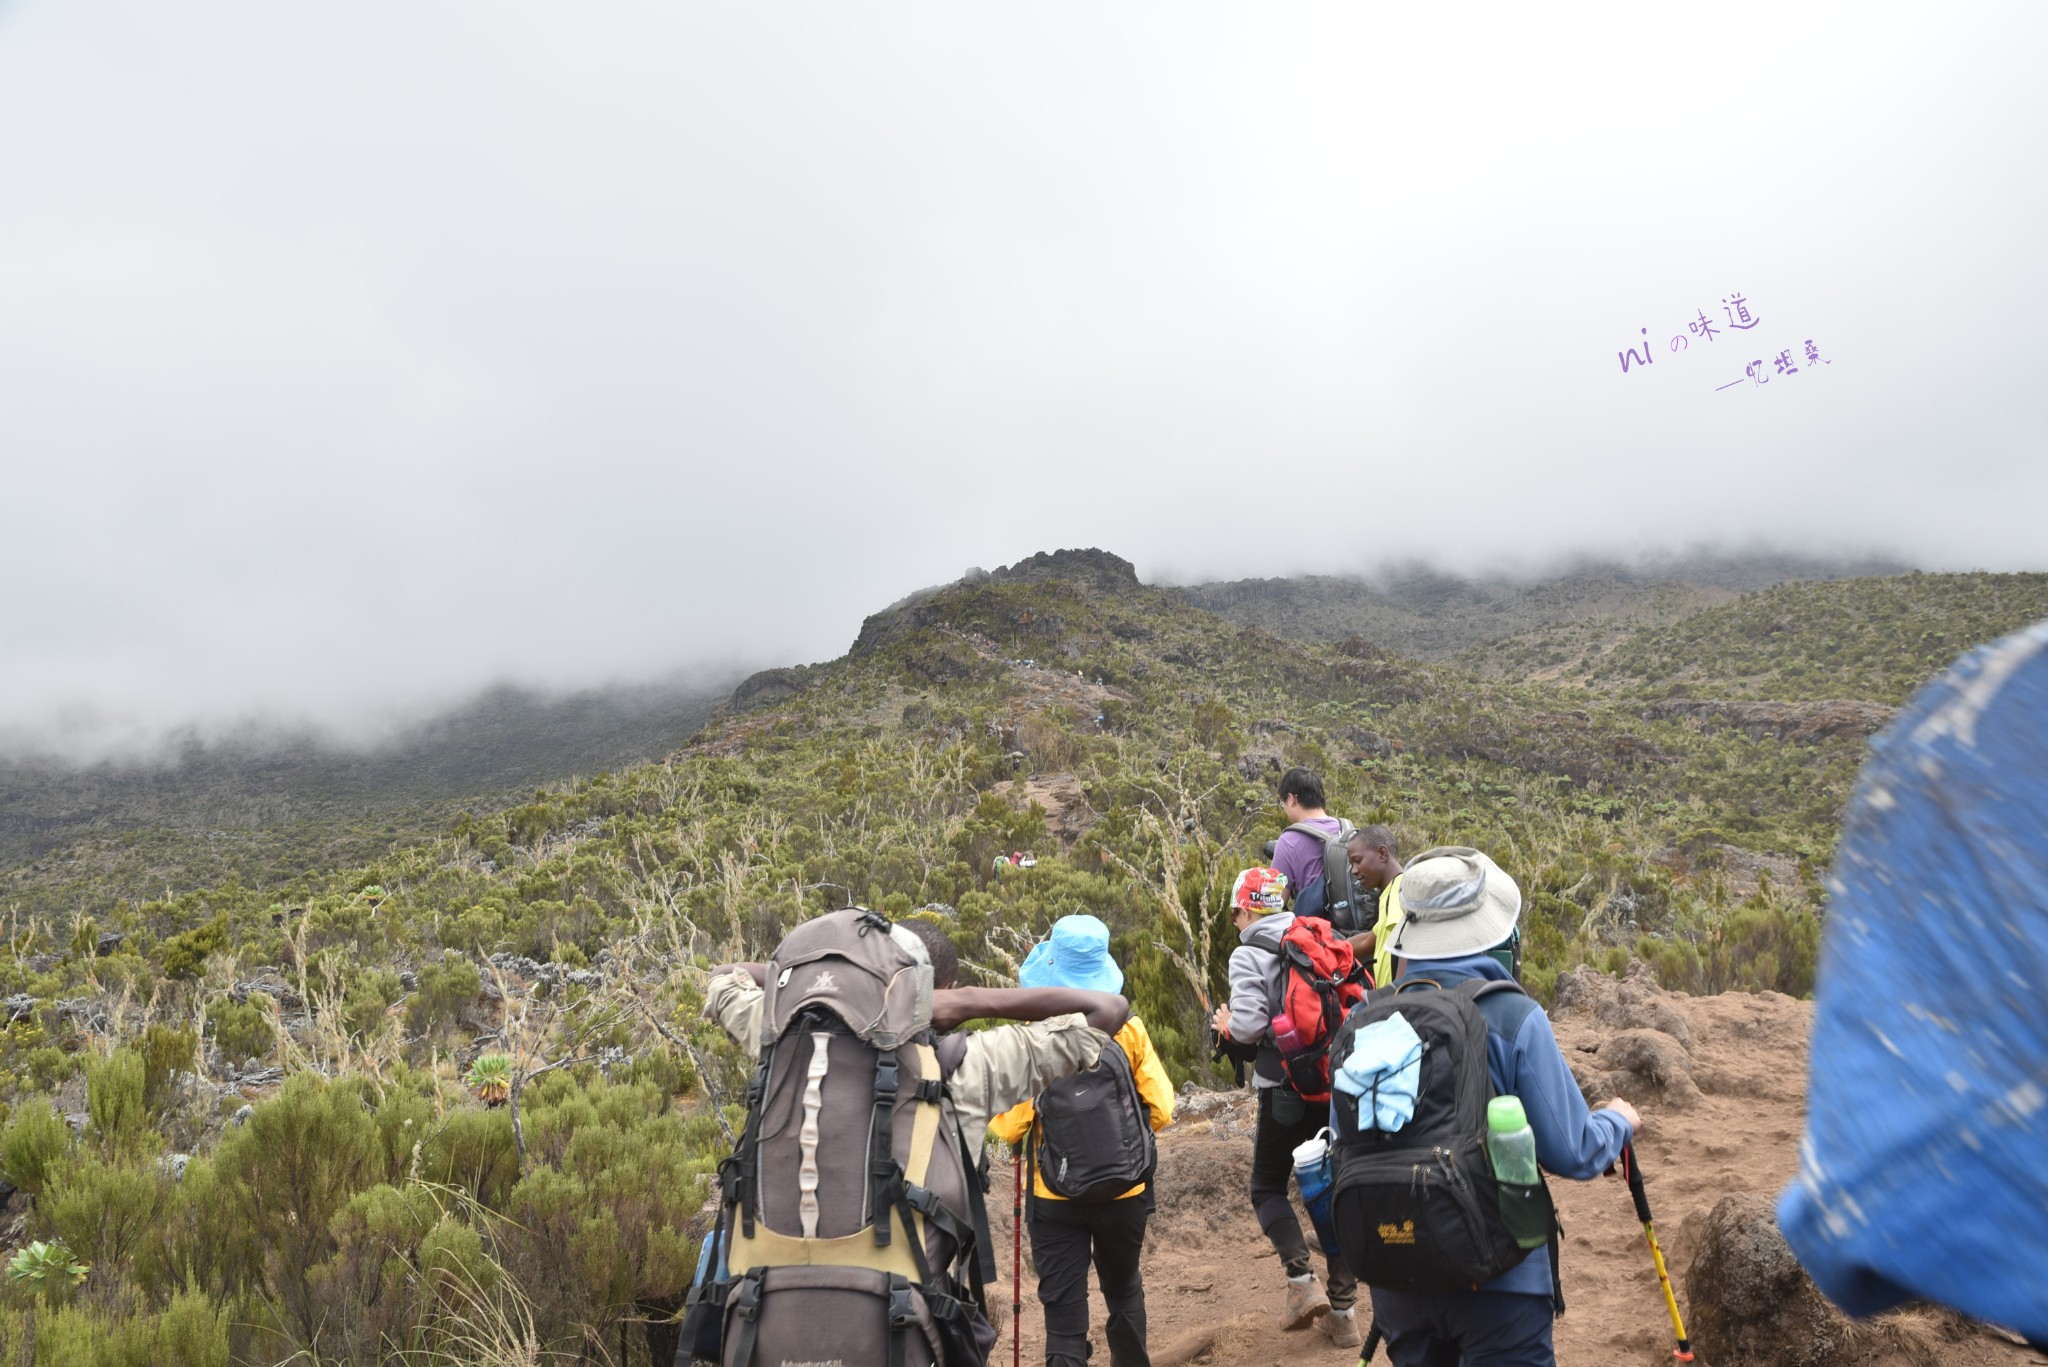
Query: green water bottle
point(1511, 1146)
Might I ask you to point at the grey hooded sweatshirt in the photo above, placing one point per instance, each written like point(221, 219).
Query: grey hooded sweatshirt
point(1254, 988)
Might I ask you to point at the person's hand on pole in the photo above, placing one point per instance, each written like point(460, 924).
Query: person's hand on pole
point(1626, 1112)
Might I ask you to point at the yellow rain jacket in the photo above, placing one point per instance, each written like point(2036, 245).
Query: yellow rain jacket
point(1154, 1089)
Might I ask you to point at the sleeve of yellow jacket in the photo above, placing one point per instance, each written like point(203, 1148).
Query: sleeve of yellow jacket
point(1155, 1089)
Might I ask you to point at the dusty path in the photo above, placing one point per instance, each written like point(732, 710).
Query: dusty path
point(1723, 1118)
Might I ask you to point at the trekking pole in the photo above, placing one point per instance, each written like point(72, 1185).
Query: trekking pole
point(1017, 1267)
point(1634, 1174)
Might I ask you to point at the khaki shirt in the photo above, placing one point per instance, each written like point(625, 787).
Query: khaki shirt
point(1003, 1066)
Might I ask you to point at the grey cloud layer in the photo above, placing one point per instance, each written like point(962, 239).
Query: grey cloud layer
point(353, 358)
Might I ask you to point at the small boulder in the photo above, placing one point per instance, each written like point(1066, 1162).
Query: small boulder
point(1750, 1302)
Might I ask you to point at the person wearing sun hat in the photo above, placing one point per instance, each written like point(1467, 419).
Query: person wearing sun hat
point(1457, 904)
point(1067, 1235)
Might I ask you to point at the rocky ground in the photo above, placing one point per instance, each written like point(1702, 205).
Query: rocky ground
point(1721, 1084)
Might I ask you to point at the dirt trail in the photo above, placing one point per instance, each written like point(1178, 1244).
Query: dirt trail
point(1213, 1284)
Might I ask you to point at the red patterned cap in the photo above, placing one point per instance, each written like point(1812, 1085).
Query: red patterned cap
point(1263, 890)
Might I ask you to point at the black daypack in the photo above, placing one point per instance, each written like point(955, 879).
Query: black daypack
point(1092, 1134)
point(1419, 1209)
point(1346, 906)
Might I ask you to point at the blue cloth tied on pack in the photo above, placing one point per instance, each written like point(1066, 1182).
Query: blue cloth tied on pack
point(1383, 1071)
point(1921, 1174)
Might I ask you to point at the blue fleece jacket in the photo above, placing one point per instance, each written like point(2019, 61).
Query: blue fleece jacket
point(1571, 1140)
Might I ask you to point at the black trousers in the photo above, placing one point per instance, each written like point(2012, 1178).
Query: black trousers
point(1285, 1122)
point(1065, 1237)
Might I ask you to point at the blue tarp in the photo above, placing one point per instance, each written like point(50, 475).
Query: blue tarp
point(1924, 1170)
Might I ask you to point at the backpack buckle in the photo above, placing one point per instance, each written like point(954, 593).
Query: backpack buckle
point(902, 1312)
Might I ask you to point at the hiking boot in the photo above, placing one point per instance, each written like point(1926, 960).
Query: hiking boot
point(1342, 1327)
point(1305, 1301)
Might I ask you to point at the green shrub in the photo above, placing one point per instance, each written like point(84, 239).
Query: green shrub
point(445, 988)
point(165, 1052)
point(369, 995)
point(118, 1118)
point(183, 956)
point(35, 1138)
point(242, 1030)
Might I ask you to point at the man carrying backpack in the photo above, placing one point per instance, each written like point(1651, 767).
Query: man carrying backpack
point(1287, 1119)
point(1091, 1157)
point(1412, 1167)
point(851, 1216)
point(1311, 855)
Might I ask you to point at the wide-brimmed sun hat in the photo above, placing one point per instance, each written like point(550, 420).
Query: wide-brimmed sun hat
point(1454, 901)
point(1076, 955)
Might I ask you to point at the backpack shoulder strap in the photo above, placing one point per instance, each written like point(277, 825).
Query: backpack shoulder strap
point(1265, 940)
point(1475, 988)
point(1509, 1019)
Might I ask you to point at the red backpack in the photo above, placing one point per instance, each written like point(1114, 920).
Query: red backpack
point(1320, 981)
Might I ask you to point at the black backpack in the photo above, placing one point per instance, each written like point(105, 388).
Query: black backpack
point(1345, 905)
point(1420, 1209)
point(1092, 1135)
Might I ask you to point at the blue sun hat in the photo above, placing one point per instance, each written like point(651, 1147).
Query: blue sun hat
point(1077, 955)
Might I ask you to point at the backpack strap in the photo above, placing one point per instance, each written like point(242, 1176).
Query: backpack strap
point(885, 1178)
point(981, 1268)
point(739, 1175)
point(902, 1316)
point(745, 1307)
point(1556, 1247)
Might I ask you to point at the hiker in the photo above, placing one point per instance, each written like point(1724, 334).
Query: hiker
point(1085, 1203)
point(1298, 854)
point(1376, 869)
point(1921, 1172)
point(856, 1187)
point(1286, 1118)
point(1458, 907)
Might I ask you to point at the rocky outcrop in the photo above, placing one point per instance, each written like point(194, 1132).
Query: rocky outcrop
point(768, 686)
point(1799, 723)
point(1094, 568)
point(1634, 1001)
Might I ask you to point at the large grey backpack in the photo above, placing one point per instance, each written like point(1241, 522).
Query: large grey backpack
point(1345, 905)
point(852, 1221)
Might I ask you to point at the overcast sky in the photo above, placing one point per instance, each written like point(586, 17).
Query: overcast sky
point(354, 355)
